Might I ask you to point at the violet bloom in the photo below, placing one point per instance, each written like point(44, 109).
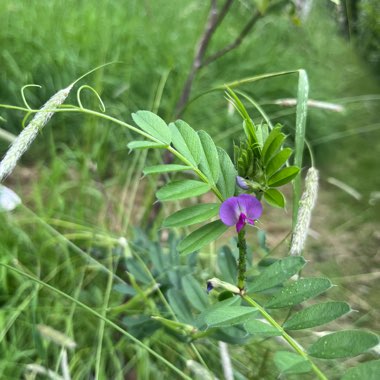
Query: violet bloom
point(240, 210)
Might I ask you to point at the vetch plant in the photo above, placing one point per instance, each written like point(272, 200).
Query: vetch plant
point(251, 301)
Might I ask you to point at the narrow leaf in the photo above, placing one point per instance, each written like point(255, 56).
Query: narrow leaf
point(144, 145)
point(165, 169)
point(365, 371)
point(181, 190)
point(229, 316)
point(227, 265)
point(274, 147)
point(186, 141)
point(192, 215)
point(316, 315)
point(257, 327)
point(276, 131)
point(195, 294)
point(299, 291)
point(209, 163)
point(275, 198)
point(276, 273)
point(153, 124)
point(343, 344)
point(227, 179)
point(179, 305)
point(277, 161)
point(202, 236)
point(283, 176)
point(291, 363)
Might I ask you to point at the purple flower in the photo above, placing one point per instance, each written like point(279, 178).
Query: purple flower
point(240, 210)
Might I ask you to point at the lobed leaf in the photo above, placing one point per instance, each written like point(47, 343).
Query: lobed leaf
point(182, 189)
point(156, 169)
point(227, 179)
point(277, 161)
point(299, 291)
point(317, 315)
point(275, 198)
point(209, 162)
point(192, 215)
point(283, 176)
point(154, 125)
point(202, 236)
point(276, 273)
point(343, 344)
point(186, 141)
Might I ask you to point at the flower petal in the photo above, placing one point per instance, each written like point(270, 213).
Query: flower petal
point(230, 211)
point(250, 206)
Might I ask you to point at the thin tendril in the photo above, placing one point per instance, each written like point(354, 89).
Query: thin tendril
point(101, 104)
point(23, 95)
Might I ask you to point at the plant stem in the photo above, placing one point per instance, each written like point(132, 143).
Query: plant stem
point(287, 337)
point(242, 265)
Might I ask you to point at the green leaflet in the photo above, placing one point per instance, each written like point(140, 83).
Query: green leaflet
point(299, 291)
point(275, 198)
point(228, 315)
point(192, 215)
point(283, 176)
point(186, 141)
point(153, 124)
point(275, 132)
point(276, 273)
point(202, 236)
point(289, 363)
point(365, 371)
point(227, 265)
point(277, 161)
point(181, 190)
point(343, 344)
point(179, 305)
point(316, 315)
point(227, 179)
point(195, 294)
point(257, 327)
point(274, 147)
point(145, 145)
point(209, 163)
point(165, 169)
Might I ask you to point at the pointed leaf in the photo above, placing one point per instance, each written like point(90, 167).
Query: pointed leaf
point(179, 305)
point(192, 215)
point(316, 315)
point(275, 198)
point(291, 363)
point(202, 236)
point(228, 316)
point(275, 132)
point(153, 124)
point(186, 141)
point(277, 161)
point(145, 145)
point(365, 371)
point(283, 176)
point(195, 294)
point(258, 327)
point(165, 169)
point(227, 265)
point(181, 190)
point(277, 273)
point(274, 147)
point(209, 163)
point(228, 173)
point(343, 344)
point(299, 291)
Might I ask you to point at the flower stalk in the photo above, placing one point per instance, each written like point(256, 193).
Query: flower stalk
point(242, 264)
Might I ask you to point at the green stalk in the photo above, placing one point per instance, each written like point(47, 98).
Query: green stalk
point(242, 265)
point(286, 336)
